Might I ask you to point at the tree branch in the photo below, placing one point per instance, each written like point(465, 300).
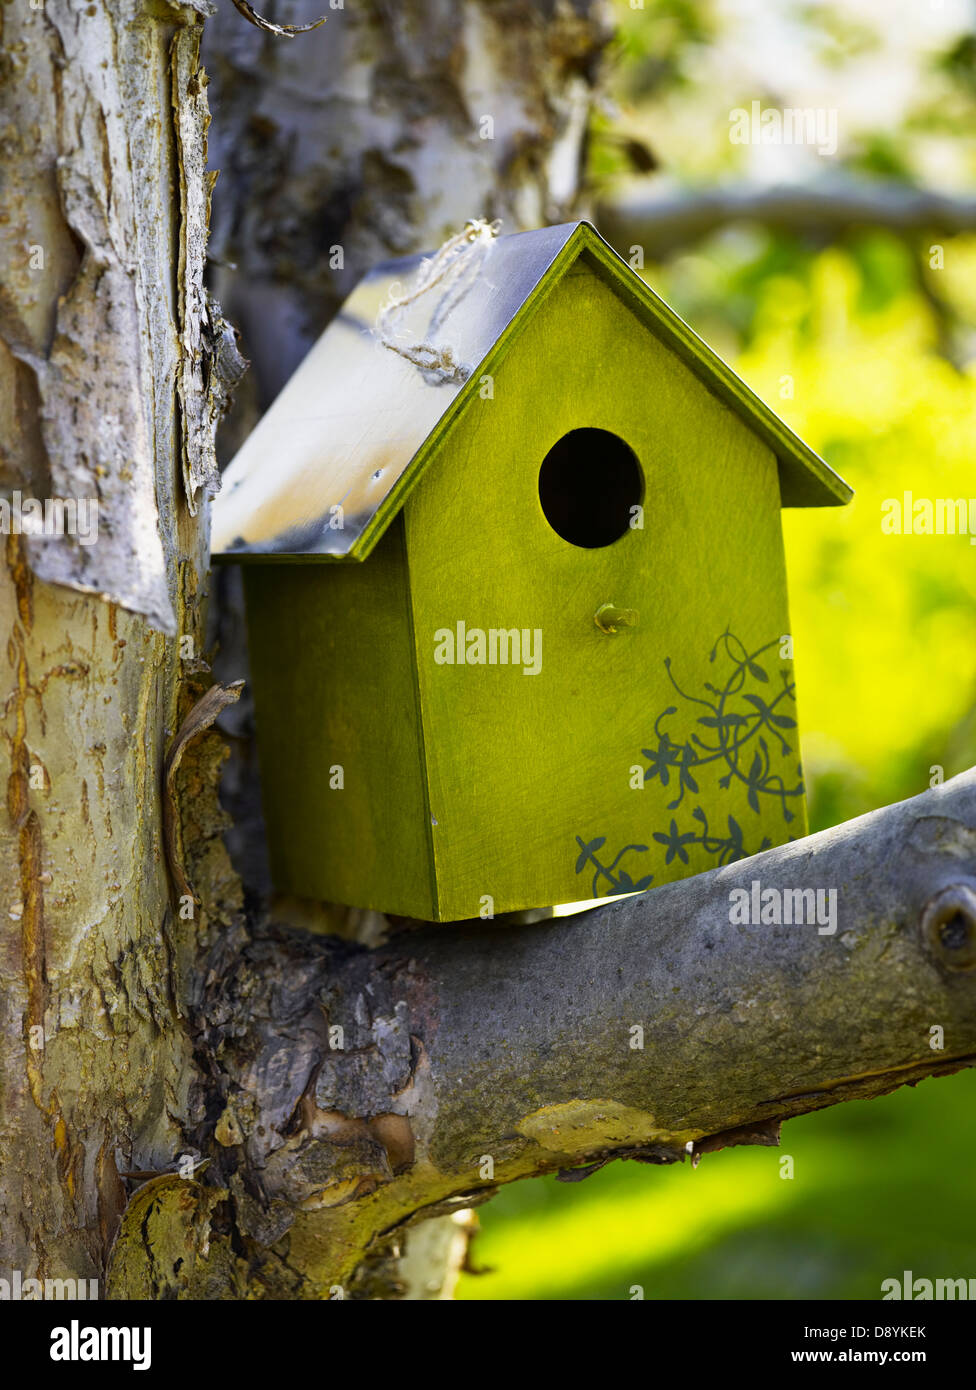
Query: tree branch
point(471, 1055)
point(665, 222)
point(285, 31)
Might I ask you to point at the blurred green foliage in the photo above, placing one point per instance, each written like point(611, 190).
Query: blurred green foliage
point(866, 348)
point(879, 1187)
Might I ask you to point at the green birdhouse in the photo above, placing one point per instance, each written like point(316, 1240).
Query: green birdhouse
point(516, 591)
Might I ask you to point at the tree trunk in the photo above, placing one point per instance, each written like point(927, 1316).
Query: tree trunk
point(103, 362)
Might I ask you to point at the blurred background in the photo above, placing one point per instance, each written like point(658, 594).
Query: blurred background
point(842, 287)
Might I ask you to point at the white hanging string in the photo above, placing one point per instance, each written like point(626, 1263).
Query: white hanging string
point(454, 268)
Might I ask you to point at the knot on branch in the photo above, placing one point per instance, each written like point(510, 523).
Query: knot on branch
point(948, 925)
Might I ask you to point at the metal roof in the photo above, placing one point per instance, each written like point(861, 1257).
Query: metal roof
point(354, 426)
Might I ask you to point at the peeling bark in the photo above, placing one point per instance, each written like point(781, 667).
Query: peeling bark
point(192, 118)
point(81, 312)
point(96, 1064)
point(201, 717)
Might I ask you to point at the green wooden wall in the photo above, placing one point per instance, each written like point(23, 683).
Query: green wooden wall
point(332, 667)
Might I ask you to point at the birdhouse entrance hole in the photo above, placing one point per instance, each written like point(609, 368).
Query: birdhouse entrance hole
point(589, 483)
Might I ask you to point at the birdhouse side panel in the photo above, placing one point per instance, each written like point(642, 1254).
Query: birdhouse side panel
point(599, 714)
point(342, 780)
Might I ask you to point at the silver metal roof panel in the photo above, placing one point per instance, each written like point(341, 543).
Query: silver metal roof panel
point(354, 425)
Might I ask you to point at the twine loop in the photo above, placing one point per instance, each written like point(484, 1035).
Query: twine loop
point(454, 268)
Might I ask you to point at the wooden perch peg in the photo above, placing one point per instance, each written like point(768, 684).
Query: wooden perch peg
point(609, 618)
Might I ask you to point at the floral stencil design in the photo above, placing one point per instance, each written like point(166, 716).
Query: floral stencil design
point(734, 732)
point(619, 880)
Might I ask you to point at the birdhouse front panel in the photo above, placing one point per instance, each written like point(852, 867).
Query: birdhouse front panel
point(516, 595)
point(602, 754)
